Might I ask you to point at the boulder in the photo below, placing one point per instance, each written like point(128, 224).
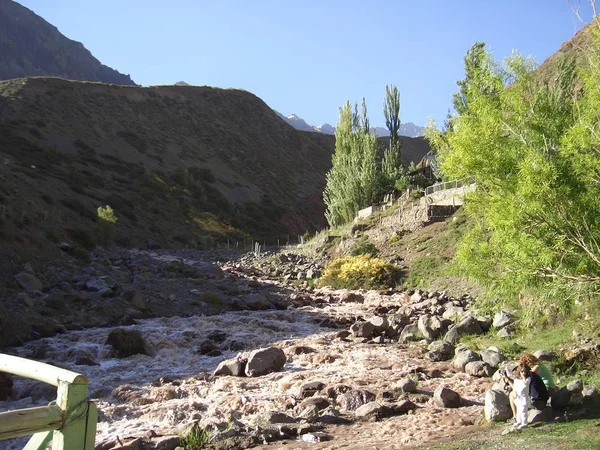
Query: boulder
point(492, 357)
point(206, 347)
point(506, 332)
point(28, 282)
point(411, 333)
point(407, 385)
point(503, 318)
point(397, 322)
point(430, 326)
point(380, 324)
point(590, 397)
point(24, 298)
point(362, 329)
point(463, 357)
point(544, 355)
point(231, 367)
point(264, 361)
point(256, 302)
point(468, 325)
point(127, 342)
point(310, 389)
point(402, 407)
point(446, 397)
point(351, 297)
point(354, 399)
point(372, 411)
point(497, 406)
point(479, 369)
point(453, 312)
point(443, 347)
point(279, 417)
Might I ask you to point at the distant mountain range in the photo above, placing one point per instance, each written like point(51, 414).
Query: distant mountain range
point(30, 46)
point(406, 129)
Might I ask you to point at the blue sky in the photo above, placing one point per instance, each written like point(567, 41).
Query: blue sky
point(309, 57)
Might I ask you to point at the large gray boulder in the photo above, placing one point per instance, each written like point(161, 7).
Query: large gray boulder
point(479, 369)
point(362, 329)
point(430, 326)
point(569, 395)
point(468, 325)
point(380, 324)
point(492, 357)
point(463, 357)
point(231, 367)
point(372, 411)
point(497, 406)
point(411, 333)
point(264, 361)
point(446, 397)
point(440, 351)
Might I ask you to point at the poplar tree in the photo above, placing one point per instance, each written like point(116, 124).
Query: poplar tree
point(393, 174)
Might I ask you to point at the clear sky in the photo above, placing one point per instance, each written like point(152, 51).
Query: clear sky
point(309, 57)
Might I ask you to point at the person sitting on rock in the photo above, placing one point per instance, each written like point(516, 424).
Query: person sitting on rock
point(537, 391)
point(541, 369)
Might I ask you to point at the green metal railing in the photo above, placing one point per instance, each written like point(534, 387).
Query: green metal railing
point(69, 422)
point(449, 185)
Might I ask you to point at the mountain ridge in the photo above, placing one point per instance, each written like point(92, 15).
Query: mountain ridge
point(31, 46)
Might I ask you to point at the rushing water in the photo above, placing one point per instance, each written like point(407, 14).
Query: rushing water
point(174, 347)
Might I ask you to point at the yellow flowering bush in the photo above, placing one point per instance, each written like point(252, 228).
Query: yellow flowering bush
point(363, 271)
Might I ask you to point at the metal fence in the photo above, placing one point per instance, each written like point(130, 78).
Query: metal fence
point(70, 423)
point(450, 185)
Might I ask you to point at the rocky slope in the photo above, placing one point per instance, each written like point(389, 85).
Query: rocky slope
point(180, 165)
point(30, 46)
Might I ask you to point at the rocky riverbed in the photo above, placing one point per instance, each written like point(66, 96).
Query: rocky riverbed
point(344, 369)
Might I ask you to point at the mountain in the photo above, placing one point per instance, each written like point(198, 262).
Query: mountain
point(181, 165)
point(30, 46)
point(182, 83)
point(406, 129)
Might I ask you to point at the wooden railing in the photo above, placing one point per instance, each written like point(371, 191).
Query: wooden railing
point(70, 423)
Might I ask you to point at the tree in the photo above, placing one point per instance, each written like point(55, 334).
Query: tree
point(391, 166)
point(353, 181)
point(105, 226)
point(533, 147)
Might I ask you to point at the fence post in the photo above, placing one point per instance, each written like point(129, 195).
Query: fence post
point(72, 398)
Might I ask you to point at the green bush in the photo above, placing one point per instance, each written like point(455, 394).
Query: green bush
point(364, 247)
point(196, 439)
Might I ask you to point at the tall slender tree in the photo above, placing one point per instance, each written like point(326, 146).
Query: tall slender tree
point(391, 166)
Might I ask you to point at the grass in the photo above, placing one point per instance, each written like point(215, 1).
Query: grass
point(581, 434)
point(196, 439)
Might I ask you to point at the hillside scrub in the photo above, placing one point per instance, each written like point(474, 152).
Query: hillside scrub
point(533, 147)
point(363, 271)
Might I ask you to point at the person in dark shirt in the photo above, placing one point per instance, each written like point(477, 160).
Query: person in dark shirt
point(538, 391)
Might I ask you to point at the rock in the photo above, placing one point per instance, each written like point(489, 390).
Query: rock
point(96, 285)
point(256, 302)
point(463, 357)
point(485, 323)
point(167, 443)
point(310, 389)
point(544, 355)
point(354, 399)
point(25, 299)
point(479, 369)
point(506, 332)
point(127, 342)
point(372, 410)
point(264, 361)
point(493, 358)
point(446, 397)
point(575, 386)
point(351, 297)
point(430, 326)
point(135, 299)
point(6, 385)
point(497, 406)
point(535, 416)
point(407, 385)
point(309, 408)
point(503, 318)
point(279, 417)
point(411, 333)
point(416, 297)
point(453, 312)
point(65, 247)
point(468, 325)
point(362, 329)
point(443, 347)
point(302, 350)
point(218, 336)
point(402, 407)
point(380, 324)
point(231, 367)
point(28, 282)
point(316, 436)
point(206, 347)
point(590, 397)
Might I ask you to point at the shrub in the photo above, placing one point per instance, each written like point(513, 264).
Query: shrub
point(364, 247)
point(196, 439)
point(354, 272)
point(105, 227)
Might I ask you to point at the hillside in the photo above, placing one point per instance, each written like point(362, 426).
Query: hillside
point(30, 46)
point(180, 165)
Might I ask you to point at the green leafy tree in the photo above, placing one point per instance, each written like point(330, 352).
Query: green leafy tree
point(533, 147)
point(353, 181)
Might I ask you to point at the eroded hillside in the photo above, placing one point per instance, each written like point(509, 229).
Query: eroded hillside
point(179, 164)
